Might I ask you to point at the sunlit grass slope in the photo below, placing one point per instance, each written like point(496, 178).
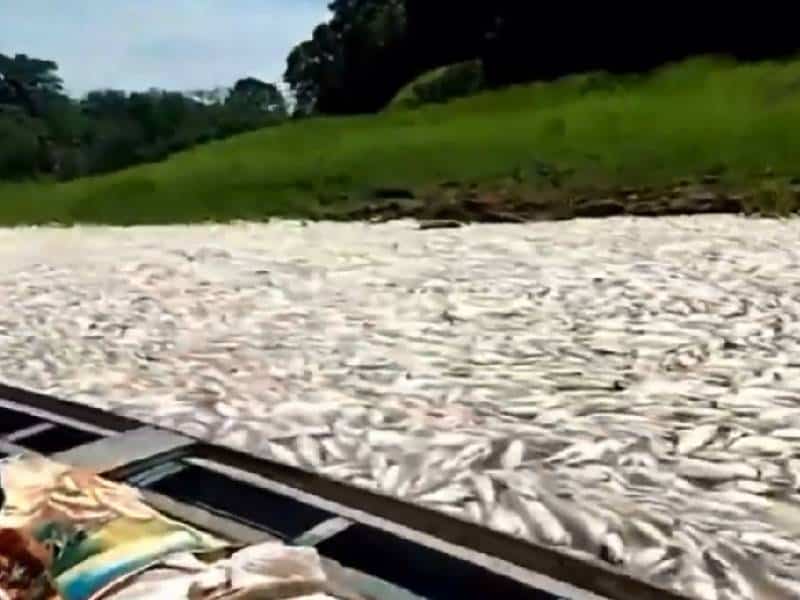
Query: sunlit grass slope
point(683, 120)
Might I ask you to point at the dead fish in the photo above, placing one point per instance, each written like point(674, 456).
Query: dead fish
point(643, 479)
point(597, 473)
point(780, 415)
point(613, 518)
point(612, 550)
point(430, 480)
point(540, 521)
point(648, 531)
point(447, 439)
point(771, 543)
point(342, 471)
point(237, 438)
point(453, 510)
point(345, 431)
point(686, 543)
point(771, 470)
point(761, 445)
point(586, 452)
point(526, 482)
point(718, 507)
point(512, 457)
point(712, 471)
point(467, 457)
point(689, 441)
point(390, 478)
point(792, 470)
point(381, 437)
point(642, 460)
point(759, 488)
point(741, 498)
point(645, 559)
point(404, 487)
point(282, 454)
point(587, 531)
point(378, 463)
point(308, 449)
point(475, 511)
point(734, 584)
point(224, 428)
point(375, 418)
point(433, 459)
point(484, 490)
point(698, 584)
point(668, 566)
point(451, 494)
point(363, 452)
point(507, 521)
point(521, 410)
point(193, 429)
point(792, 433)
point(334, 449)
point(227, 410)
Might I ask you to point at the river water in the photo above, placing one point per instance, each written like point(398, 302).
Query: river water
point(625, 389)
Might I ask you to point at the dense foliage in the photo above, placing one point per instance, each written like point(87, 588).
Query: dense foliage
point(547, 146)
point(441, 85)
point(368, 53)
point(369, 49)
point(43, 132)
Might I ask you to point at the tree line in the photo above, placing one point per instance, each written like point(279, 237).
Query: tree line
point(369, 49)
point(44, 132)
point(356, 62)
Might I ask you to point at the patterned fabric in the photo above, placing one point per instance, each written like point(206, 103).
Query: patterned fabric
point(67, 534)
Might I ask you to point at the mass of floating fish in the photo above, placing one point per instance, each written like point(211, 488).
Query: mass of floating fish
point(627, 390)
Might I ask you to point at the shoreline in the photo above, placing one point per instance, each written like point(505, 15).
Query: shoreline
point(452, 202)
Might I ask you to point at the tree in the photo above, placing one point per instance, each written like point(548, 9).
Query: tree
point(105, 103)
point(28, 82)
point(33, 73)
point(33, 86)
point(257, 97)
point(19, 148)
point(314, 70)
point(369, 49)
point(45, 132)
point(353, 63)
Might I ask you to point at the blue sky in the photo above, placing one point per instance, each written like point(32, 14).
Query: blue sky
point(172, 44)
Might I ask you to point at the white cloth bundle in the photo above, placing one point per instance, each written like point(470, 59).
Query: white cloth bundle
point(268, 571)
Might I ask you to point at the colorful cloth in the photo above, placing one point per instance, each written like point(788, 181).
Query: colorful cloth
point(68, 534)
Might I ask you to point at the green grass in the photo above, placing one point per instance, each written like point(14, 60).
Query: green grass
point(441, 84)
point(704, 114)
point(407, 96)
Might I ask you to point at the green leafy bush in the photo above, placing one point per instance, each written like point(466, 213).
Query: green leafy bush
point(442, 84)
point(19, 152)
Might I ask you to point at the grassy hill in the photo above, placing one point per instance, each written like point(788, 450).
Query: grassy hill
point(595, 132)
point(441, 84)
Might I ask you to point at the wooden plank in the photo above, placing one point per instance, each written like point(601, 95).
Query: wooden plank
point(53, 417)
point(121, 450)
point(64, 409)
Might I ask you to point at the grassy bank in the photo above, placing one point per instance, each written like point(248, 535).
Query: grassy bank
point(581, 133)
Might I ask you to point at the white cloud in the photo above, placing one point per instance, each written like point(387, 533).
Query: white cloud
point(172, 44)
